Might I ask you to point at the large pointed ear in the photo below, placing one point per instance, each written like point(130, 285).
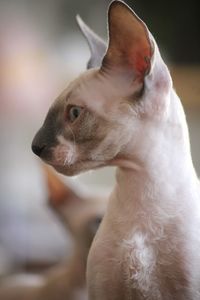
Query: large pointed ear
point(58, 192)
point(130, 48)
point(96, 44)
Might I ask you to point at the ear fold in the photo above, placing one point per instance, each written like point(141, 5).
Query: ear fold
point(59, 193)
point(96, 44)
point(129, 47)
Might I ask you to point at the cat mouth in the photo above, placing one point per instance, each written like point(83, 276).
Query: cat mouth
point(77, 167)
point(83, 165)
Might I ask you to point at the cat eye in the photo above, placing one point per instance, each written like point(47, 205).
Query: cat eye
point(73, 113)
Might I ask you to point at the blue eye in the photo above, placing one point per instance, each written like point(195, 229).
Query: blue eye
point(74, 113)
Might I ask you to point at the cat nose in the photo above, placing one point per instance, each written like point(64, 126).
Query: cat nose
point(38, 149)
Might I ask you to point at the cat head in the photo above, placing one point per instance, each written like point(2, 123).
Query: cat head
point(100, 117)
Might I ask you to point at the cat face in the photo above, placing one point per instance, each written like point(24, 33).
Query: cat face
point(85, 128)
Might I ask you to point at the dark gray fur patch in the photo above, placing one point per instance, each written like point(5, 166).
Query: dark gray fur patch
point(88, 129)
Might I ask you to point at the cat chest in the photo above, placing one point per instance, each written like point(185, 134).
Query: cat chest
point(128, 267)
point(138, 263)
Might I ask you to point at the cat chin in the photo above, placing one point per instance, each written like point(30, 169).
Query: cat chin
point(78, 167)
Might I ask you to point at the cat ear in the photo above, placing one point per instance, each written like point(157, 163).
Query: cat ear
point(59, 193)
point(96, 44)
point(130, 47)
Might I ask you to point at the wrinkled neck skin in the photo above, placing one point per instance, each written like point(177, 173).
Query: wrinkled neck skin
point(155, 173)
point(160, 172)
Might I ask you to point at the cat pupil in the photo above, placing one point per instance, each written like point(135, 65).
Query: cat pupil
point(76, 112)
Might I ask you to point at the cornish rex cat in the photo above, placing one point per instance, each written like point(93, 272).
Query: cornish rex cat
point(126, 113)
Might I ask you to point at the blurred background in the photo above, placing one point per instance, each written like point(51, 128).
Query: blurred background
point(41, 50)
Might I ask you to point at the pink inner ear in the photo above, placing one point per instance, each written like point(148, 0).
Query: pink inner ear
point(140, 61)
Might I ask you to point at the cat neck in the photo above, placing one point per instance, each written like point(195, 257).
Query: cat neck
point(159, 176)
